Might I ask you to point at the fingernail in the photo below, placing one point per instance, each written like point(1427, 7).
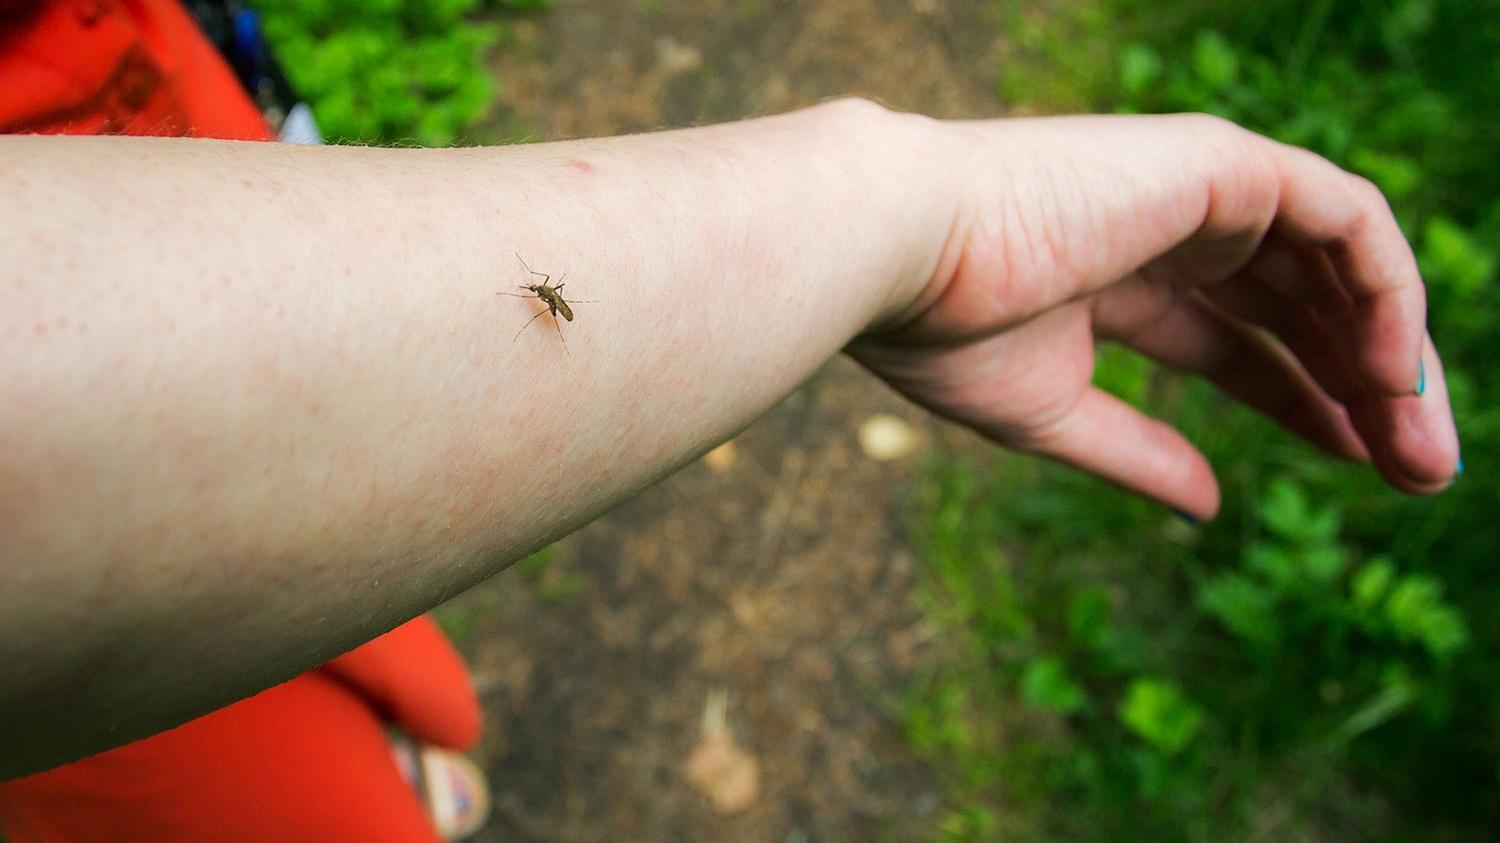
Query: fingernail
point(1191, 521)
point(1421, 376)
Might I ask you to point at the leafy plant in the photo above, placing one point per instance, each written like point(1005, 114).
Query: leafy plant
point(1321, 660)
point(1160, 714)
point(390, 71)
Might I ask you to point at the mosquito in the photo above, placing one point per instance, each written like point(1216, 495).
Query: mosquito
point(550, 295)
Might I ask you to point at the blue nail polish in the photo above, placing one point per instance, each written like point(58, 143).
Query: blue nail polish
point(1191, 521)
point(1421, 376)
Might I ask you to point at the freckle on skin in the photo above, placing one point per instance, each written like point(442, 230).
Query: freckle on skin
point(581, 165)
point(40, 329)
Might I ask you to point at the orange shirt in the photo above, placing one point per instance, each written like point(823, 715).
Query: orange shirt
point(308, 759)
point(117, 67)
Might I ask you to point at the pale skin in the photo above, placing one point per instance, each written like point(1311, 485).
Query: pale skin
point(260, 403)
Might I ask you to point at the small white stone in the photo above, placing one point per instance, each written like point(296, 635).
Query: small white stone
point(722, 458)
point(884, 437)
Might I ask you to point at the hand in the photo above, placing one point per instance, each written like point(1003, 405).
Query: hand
point(1266, 269)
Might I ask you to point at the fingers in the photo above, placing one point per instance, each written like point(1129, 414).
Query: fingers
point(1287, 291)
point(1028, 389)
point(1337, 282)
point(1333, 245)
point(1421, 448)
point(1348, 218)
point(1304, 381)
point(1106, 436)
point(1176, 329)
point(1295, 326)
point(1249, 236)
point(1185, 199)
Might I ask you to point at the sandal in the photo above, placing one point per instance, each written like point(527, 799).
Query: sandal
point(452, 787)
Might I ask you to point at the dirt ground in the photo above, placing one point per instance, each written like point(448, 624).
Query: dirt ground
point(781, 578)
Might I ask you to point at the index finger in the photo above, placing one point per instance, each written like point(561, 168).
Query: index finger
point(1349, 219)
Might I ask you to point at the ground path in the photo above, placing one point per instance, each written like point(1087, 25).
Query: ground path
point(781, 577)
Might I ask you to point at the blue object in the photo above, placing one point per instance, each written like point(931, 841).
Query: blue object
point(250, 46)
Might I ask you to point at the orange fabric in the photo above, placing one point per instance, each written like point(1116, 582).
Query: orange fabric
point(127, 67)
point(308, 759)
point(305, 760)
point(413, 676)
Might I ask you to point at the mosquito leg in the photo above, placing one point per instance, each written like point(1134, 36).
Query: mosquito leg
point(560, 336)
point(527, 325)
point(544, 275)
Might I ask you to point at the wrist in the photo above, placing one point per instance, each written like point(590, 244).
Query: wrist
point(909, 204)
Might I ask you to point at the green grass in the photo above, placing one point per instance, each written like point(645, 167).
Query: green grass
point(1320, 662)
point(398, 72)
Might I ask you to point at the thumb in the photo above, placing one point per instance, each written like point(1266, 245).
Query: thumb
point(1107, 437)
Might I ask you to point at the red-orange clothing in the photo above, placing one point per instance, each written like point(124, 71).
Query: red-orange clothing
point(117, 67)
point(308, 759)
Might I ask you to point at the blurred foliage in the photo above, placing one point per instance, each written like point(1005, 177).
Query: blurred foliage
point(550, 581)
point(388, 71)
point(1321, 661)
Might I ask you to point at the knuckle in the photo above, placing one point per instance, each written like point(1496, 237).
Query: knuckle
point(871, 119)
point(857, 109)
point(1370, 194)
point(1211, 123)
point(1369, 203)
point(855, 105)
point(1246, 153)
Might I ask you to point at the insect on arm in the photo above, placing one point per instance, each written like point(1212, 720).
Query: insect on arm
point(549, 295)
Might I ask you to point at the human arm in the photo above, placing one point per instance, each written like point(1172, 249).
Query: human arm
point(259, 404)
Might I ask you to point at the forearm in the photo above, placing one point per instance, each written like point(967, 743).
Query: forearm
point(259, 403)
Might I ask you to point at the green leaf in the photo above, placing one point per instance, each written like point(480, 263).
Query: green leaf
point(1417, 612)
point(1287, 513)
point(1450, 254)
point(1244, 607)
point(1047, 685)
point(1140, 68)
point(1371, 582)
point(1215, 61)
point(384, 70)
point(1323, 564)
point(1277, 564)
point(1160, 714)
point(1397, 176)
point(1322, 526)
point(1284, 509)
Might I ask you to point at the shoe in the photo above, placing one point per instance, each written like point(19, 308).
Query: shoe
point(452, 787)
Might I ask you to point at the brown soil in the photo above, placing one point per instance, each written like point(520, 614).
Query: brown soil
point(783, 579)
